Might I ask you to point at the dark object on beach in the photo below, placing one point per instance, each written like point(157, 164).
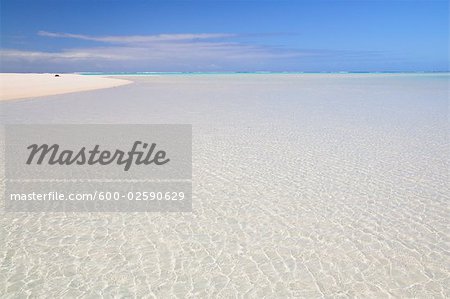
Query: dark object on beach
point(56, 75)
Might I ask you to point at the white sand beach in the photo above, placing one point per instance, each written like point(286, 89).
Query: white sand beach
point(18, 86)
point(304, 186)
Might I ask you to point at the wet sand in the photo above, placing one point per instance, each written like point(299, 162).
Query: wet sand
point(303, 186)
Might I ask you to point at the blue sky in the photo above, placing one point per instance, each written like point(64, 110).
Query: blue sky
point(233, 35)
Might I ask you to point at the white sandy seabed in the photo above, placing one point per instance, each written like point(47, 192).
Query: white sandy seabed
point(304, 186)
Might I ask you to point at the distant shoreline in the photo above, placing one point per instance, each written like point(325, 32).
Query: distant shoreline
point(243, 73)
point(14, 86)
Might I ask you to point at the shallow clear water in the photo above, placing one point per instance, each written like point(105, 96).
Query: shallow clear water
point(304, 185)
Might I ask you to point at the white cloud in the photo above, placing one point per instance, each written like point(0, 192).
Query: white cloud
point(71, 55)
point(136, 39)
point(151, 52)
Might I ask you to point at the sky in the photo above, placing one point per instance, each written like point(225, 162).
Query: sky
point(223, 36)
